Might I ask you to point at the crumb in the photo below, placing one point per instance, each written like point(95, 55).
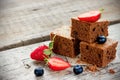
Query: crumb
point(111, 71)
point(92, 68)
point(80, 62)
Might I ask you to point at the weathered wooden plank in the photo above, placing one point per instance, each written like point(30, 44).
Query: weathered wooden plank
point(26, 21)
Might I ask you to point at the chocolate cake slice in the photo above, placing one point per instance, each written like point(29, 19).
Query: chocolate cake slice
point(98, 54)
point(88, 31)
point(64, 44)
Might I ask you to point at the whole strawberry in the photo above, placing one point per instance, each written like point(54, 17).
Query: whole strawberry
point(38, 53)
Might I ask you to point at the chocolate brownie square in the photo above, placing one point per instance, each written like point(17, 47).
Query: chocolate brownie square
point(88, 31)
point(98, 54)
point(64, 44)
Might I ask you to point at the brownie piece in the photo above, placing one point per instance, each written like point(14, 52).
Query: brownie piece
point(98, 54)
point(64, 44)
point(88, 31)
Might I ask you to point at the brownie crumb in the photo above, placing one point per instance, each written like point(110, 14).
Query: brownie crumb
point(111, 71)
point(81, 62)
point(92, 68)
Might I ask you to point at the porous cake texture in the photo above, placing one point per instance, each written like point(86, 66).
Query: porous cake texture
point(98, 54)
point(88, 31)
point(64, 44)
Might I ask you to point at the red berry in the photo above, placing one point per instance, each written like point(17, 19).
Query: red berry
point(38, 53)
point(57, 64)
point(91, 16)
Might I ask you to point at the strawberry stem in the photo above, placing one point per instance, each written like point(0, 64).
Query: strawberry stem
point(53, 38)
point(46, 60)
point(51, 44)
point(101, 10)
point(49, 51)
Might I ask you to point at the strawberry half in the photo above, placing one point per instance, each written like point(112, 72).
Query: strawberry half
point(57, 64)
point(38, 53)
point(91, 16)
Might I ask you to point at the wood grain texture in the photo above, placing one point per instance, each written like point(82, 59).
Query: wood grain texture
point(25, 22)
point(15, 64)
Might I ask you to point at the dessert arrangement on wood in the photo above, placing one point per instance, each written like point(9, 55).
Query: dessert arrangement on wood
point(91, 35)
point(87, 37)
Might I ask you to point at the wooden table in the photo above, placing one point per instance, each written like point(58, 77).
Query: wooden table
point(24, 22)
point(15, 64)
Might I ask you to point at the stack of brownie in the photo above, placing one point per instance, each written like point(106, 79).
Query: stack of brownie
point(81, 38)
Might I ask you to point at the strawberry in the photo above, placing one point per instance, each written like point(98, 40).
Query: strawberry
point(57, 64)
point(91, 16)
point(38, 53)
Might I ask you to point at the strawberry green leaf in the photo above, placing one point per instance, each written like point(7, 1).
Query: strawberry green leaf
point(51, 45)
point(47, 51)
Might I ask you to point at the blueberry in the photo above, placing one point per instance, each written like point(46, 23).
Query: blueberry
point(39, 71)
point(101, 39)
point(77, 69)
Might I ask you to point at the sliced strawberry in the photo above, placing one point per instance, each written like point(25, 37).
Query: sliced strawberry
point(38, 53)
point(91, 16)
point(57, 64)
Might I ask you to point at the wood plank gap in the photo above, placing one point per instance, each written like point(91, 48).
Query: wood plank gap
point(114, 22)
point(26, 42)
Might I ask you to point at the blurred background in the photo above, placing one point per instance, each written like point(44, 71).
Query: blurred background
point(24, 22)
